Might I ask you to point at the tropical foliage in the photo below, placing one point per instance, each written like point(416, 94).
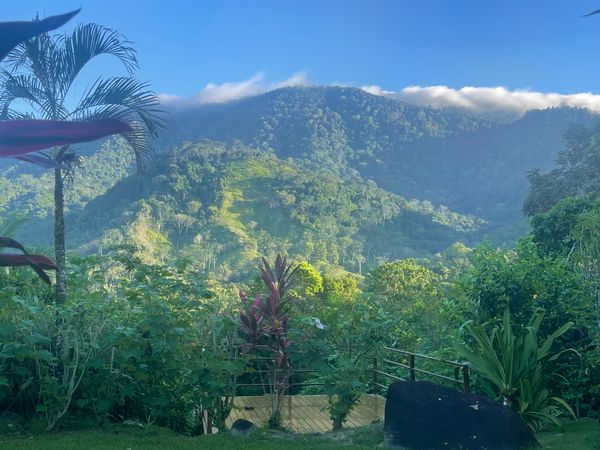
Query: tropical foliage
point(154, 326)
point(266, 324)
point(41, 72)
point(513, 363)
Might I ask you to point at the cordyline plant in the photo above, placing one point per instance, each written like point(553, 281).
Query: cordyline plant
point(19, 138)
point(265, 324)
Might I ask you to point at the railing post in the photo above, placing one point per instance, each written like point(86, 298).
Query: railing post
point(375, 387)
point(465, 371)
point(411, 364)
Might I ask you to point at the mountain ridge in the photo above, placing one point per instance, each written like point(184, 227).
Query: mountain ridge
point(434, 177)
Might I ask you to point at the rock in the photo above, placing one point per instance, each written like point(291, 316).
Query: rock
point(425, 415)
point(242, 427)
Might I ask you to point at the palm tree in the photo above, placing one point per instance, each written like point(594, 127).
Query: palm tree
point(41, 73)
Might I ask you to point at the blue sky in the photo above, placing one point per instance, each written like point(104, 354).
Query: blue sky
point(183, 45)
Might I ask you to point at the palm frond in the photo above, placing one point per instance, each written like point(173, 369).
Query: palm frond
point(29, 89)
point(129, 101)
point(122, 95)
point(141, 143)
point(41, 57)
point(9, 226)
point(89, 41)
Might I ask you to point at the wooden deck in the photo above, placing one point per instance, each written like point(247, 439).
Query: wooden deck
point(308, 412)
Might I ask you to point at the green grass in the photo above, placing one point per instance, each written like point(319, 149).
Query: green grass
point(160, 439)
point(581, 435)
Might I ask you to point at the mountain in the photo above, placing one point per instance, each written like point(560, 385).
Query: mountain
point(210, 203)
point(336, 175)
point(326, 127)
point(448, 157)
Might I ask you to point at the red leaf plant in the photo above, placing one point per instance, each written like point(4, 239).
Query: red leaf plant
point(266, 326)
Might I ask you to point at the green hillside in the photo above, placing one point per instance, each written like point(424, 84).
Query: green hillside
point(223, 207)
point(448, 157)
point(334, 175)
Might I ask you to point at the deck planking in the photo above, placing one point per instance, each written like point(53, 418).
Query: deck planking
point(308, 412)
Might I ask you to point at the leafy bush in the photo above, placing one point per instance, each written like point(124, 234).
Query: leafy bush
point(513, 364)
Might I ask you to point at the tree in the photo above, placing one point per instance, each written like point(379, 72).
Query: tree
point(576, 173)
point(586, 252)
point(409, 291)
point(42, 71)
point(552, 230)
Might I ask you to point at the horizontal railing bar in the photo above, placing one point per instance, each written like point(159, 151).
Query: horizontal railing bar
point(395, 377)
point(396, 363)
point(380, 385)
point(416, 369)
point(282, 370)
point(268, 385)
point(439, 376)
point(433, 358)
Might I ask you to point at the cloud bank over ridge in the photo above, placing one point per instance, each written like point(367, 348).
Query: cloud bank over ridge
point(489, 100)
point(226, 92)
point(493, 101)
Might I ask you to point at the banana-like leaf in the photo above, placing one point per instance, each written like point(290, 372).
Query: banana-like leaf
point(13, 33)
point(545, 348)
point(38, 263)
point(18, 137)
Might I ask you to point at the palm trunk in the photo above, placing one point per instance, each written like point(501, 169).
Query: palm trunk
point(59, 237)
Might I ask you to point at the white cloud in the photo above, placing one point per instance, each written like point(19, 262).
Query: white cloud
point(376, 90)
point(489, 100)
point(298, 79)
point(493, 101)
point(225, 92)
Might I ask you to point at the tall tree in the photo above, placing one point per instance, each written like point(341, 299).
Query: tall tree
point(42, 71)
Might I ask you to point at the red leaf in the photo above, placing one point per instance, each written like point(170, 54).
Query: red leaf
point(14, 260)
point(41, 160)
point(18, 137)
point(38, 263)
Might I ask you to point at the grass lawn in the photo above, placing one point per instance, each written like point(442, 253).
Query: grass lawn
point(123, 438)
point(581, 435)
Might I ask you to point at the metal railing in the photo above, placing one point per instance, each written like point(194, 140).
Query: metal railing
point(384, 368)
point(387, 364)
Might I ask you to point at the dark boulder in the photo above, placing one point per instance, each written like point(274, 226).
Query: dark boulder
point(242, 427)
point(424, 415)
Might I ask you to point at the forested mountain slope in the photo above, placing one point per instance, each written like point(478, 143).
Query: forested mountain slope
point(226, 206)
point(332, 174)
point(448, 157)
